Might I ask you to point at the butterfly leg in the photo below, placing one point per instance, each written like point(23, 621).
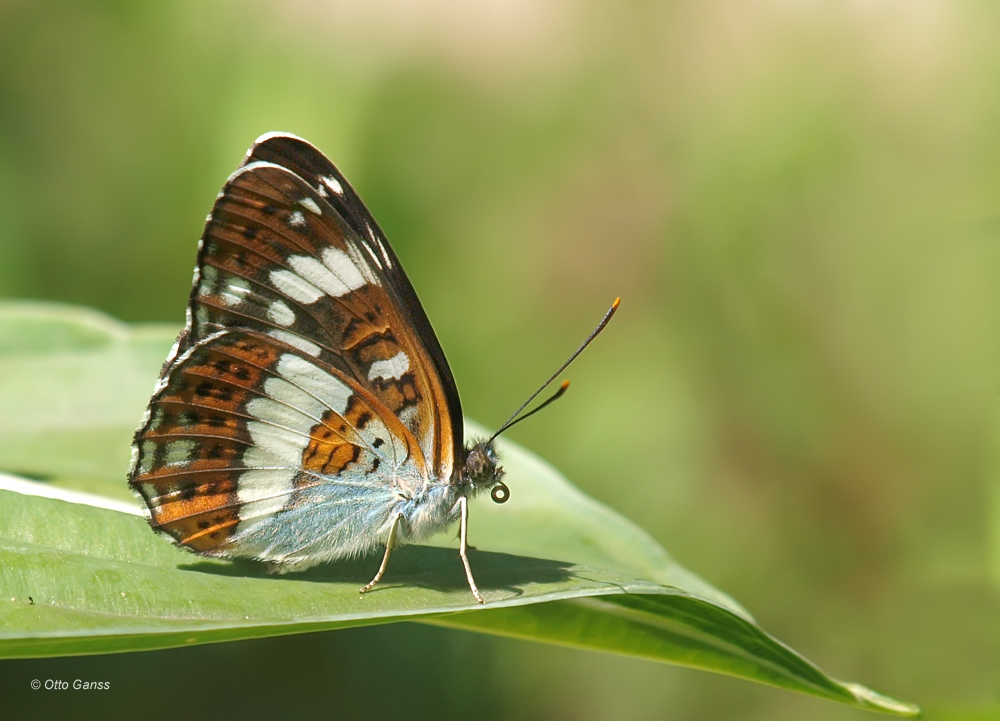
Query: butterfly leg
point(463, 535)
point(385, 558)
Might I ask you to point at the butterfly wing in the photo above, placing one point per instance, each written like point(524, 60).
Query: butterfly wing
point(252, 448)
point(298, 307)
point(288, 233)
point(308, 163)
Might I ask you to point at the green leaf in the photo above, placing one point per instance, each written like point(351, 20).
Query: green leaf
point(84, 574)
point(73, 386)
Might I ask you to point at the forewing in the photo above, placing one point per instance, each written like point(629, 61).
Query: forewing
point(244, 429)
point(289, 250)
point(306, 161)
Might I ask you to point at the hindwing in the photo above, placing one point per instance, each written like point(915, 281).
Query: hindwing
point(245, 427)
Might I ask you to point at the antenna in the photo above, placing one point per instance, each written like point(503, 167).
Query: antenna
point(565, 384)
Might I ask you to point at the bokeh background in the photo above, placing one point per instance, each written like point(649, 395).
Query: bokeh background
point(799, 202)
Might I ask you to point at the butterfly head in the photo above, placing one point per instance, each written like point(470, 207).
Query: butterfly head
point(482, 470)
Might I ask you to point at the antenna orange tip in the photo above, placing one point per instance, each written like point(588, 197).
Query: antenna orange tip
point(565, 384)
point(614, 306)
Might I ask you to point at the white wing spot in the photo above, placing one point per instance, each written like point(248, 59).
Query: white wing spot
point(210, 274)
point(276, 410)
point(279, 312)
point(236, 292)
point(285, 445)
point(333, 184)
point(264, 491)
point(337, 274)
point(148, 449)
point(310, 205)
point(394, 368)
point(157, 420)
point(179, 452)
point(352, 263)
point(327, 388)
point(358, 259)
point(296, 341)
point(296, 219)
point(295, 286)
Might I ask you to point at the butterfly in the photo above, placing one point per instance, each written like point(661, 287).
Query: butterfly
point(307, 412)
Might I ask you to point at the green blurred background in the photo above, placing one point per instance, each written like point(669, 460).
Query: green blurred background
point(799, 203)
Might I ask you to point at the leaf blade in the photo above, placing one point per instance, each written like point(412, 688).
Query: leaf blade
point(556, 565)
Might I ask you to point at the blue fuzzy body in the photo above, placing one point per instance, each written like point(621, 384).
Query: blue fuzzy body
point(334, 519)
